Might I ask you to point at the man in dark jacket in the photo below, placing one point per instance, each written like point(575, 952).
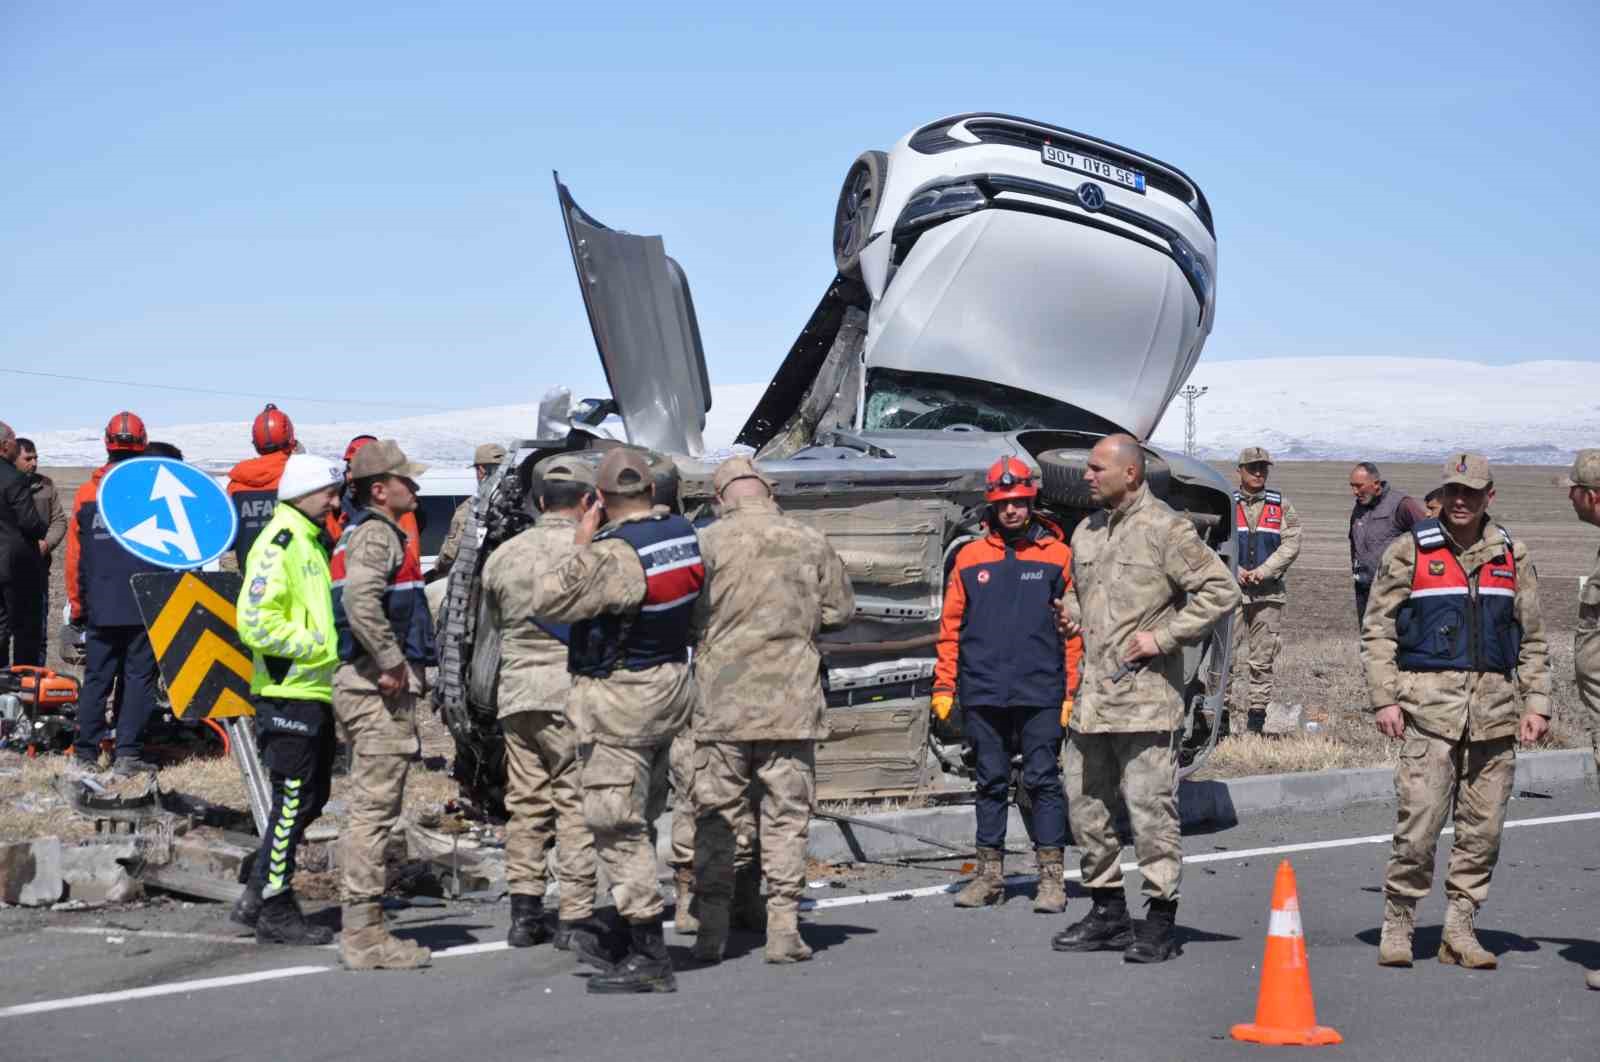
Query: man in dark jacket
point(46, 499)
point(1379, 516)
point(21, 574)
point(1015, 675)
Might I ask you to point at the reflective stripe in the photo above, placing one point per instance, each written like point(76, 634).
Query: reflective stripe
point(1495, 591)
point(1442, 591)
point(665, 605)
point(668, 544)
point(1284, 924)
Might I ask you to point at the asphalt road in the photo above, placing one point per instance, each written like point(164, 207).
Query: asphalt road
point(910, 979)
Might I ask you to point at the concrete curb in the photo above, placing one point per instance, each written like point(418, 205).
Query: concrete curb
point(1217, 803)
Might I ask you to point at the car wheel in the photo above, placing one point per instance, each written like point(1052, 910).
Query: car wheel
point(853, 218)
point(1063, 478)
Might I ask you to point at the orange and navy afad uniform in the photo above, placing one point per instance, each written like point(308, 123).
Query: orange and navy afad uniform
point(998, 642)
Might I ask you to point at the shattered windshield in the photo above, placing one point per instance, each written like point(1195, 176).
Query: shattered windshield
point(931, 401)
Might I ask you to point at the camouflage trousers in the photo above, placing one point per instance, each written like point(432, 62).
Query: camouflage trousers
point(1257, 639)
point(1433, 771)
point(683, 811)
point(383, 737)
point(624, 792)
point(724, 773)
point(546, 808)
point(1140, 770)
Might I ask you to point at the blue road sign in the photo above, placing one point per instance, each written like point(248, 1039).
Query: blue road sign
point(167, 512)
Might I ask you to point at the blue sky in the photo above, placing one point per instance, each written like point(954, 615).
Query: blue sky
point(354, 201)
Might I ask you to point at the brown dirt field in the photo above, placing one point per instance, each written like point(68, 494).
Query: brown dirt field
point(1320, 665)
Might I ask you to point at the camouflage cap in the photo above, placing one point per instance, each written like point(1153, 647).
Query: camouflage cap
point(488, 454)
point(565, 468)
point(1252, 455)
point(736, 468)
point(1585, 471)
point(624, 470)
point(383, 457)
point(1468, 470)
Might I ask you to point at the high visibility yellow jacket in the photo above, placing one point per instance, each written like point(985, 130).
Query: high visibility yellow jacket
point(286, 610)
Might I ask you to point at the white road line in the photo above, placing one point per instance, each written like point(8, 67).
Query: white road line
point(154, 934)
point(175, 988)
point(181, 987)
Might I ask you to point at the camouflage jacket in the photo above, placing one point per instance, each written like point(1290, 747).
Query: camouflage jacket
point(371, 552)
point(452, 541)
point(1586, 645)
point(1141, 568)
point(1450, 704)
point(628, 708)
point(772, 585)
point(1271, 587)
point(533, 660)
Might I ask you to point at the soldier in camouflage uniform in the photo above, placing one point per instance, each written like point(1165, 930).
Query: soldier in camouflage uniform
point(1583, 490)
point(1267, 537)
point(772, 585)
point(543, 799)
point(1144, 586)
point(385, 643)
point(628, 592)
point(1452, 641)
point(485, 459)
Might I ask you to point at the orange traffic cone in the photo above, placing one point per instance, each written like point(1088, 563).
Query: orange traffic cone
point(1285, 1013)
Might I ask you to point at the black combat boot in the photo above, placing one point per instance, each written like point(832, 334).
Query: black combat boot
point(1256, 721)
point(589, 942)
point(1105, 928)
point(247, 908)
point(1156, 938)
point(282, 922)
point(647, 968)
point(527, 921)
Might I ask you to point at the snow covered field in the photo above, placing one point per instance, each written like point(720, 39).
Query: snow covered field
point(1388, 409)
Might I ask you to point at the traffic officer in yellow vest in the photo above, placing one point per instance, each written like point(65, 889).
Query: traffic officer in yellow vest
point(285, 613)
point(772, 585)
point(628, 593)
point(1583, 490)
point(1266, 541)
point(1453, 641)
point(1143, 586)
point(543, 798)
point(385, 643)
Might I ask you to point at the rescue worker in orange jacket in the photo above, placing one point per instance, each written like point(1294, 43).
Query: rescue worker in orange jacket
point(340, 519)
point(1001, 655)
point(253, 483)
point(117, 647)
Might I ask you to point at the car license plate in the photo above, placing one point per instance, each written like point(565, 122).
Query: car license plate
point(1072, 160)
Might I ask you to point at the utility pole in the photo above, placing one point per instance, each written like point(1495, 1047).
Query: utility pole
point(1190, 394)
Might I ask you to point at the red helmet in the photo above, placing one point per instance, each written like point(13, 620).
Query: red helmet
point(1010, 478)
point(125, 434)
point(355, 444)
point(272, 430)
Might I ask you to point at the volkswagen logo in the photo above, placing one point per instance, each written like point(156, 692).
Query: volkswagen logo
point(1091, 196)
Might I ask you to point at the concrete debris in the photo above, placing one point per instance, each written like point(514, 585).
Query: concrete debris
point(1283, 719)
point(97, 874)
point(30, 872)
point(461, 862)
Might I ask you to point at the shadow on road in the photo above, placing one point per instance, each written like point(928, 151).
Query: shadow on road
point(439, 937)
point(1585, 953)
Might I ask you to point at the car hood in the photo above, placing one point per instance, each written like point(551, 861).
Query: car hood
point(645, 329)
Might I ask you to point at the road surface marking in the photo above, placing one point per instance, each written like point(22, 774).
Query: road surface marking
point(181, 987)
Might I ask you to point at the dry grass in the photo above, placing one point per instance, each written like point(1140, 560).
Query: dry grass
point(30, 805)
point(216, 781)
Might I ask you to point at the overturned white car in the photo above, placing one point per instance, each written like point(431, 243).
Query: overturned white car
point(1002, 286)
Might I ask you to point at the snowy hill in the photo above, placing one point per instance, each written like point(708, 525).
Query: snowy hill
point(1388, 409)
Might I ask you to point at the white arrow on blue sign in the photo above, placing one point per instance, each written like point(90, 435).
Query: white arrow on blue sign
point(166, 512)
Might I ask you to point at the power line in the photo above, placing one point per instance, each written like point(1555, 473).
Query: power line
point(231, 394)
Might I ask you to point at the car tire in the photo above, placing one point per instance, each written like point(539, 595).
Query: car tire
point(857, 210)
point(1063, 478)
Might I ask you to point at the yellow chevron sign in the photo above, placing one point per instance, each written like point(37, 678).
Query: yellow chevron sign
point(193, 631)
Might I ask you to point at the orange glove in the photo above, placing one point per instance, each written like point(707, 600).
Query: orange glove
point(1066, 712)
point(941, 705)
